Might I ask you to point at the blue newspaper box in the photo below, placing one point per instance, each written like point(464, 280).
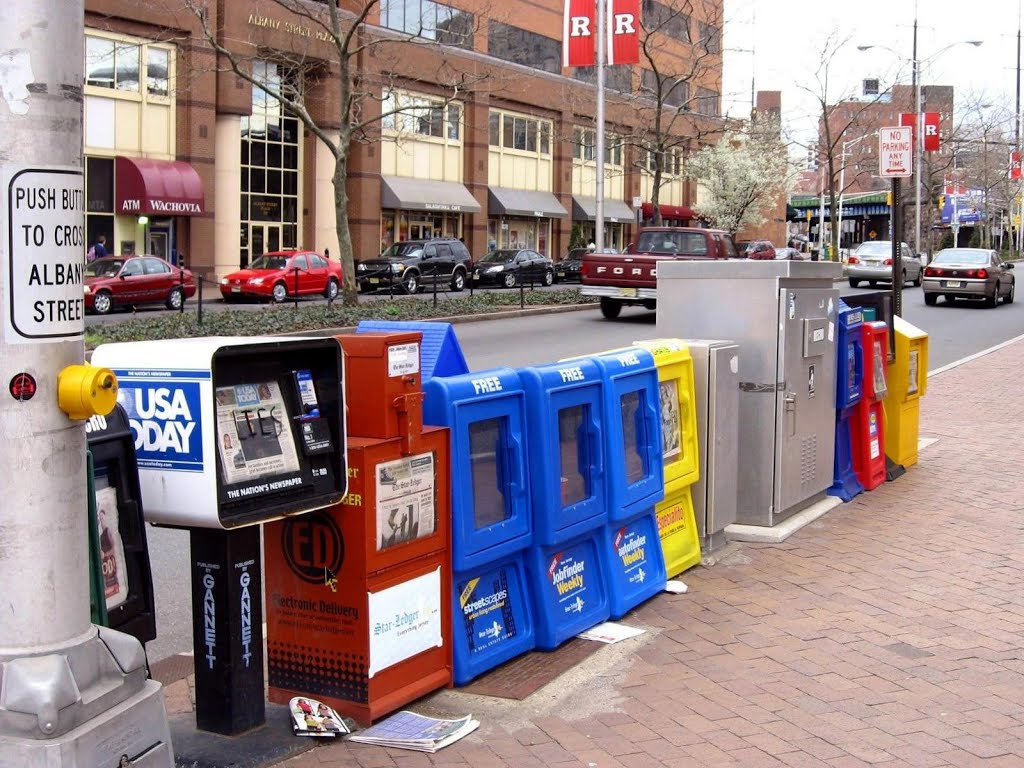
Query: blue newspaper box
point(849, 390)
point(569, 587)
point(486, 415)
point(634, 562)
point(633, 449)
point(493, 617)
point(564, 408)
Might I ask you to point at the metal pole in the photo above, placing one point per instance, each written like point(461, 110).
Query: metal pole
point(73, 694)
point(897, 249)
point(918, 141)
point(1017, 219)
point(842, 189)
point(599, 190)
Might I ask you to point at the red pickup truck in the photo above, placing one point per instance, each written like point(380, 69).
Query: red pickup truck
point(619, 279)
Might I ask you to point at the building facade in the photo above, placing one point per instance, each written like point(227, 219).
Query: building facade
point(464, 124)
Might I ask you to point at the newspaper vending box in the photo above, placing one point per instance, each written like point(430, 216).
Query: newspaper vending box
point(231, 432)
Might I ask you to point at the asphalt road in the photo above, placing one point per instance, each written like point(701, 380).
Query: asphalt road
point(954, 332)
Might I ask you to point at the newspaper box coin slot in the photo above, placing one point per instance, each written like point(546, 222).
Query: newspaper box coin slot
point(230, 433)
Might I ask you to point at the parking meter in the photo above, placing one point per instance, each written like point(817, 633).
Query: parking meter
point(231, 432)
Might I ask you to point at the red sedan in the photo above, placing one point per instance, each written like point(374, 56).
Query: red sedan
point(277, 275)
point(125, 281)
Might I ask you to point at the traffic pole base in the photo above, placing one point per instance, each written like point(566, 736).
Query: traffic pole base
point(893, 470)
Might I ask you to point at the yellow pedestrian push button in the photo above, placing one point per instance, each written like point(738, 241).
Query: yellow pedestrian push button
point(907, 382)
point(86, 390)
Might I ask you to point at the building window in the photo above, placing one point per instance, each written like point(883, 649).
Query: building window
point(585, 143)
point(433, 21)
point(617, 78)
point(710, 37)
point(673, 165)
point(99, 200)
point(270, 165)
point(708, 102)
point(675, 92)
point(420, 115)
point(668, 21)
point(519, 132)
point(520, 46)
point(157, 65)
point(113, 65)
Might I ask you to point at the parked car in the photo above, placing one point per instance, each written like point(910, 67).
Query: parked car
point(412, 264)
point(126, 281)
point(759, 249)
point(791, 254)
point(568, 269)
point(968, 273)
point(275, 276)
point(509, 267)
point(872, 261)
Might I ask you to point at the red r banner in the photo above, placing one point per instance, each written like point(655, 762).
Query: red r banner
point(1015, 165)
point(579, 31)
point(931, 129)
point(623, 27)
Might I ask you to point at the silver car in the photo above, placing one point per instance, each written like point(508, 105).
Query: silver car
point(968, 273)
point(872, 261)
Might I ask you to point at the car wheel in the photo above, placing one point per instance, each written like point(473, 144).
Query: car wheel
point(930, 299)
point(1008, 299)
point(610, 308)
point(920, 274)
point(331, 291)
point(280, 292)
point(509, 280)
point(903, 279)
point(458, 280)
point(175, 299)
point(549, 278)
point(411, 283)
point(854, 283)
point(102, 303)
point(993, 300)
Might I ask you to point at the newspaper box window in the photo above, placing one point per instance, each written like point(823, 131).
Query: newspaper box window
point(230, 433)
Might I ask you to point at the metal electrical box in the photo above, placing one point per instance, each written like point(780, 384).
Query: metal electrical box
point(783, 315)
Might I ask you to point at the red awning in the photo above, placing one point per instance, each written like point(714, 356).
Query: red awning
point(158, 187)
point(681, 212)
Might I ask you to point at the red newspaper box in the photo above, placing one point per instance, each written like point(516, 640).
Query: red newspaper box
point(867, 433)
point(359, 595)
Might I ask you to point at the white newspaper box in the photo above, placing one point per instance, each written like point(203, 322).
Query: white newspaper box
point(233, 431)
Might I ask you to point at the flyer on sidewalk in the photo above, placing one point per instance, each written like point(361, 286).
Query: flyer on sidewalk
point(314, 718)
point(407, 730)
point(254, 432)
point(610, 632)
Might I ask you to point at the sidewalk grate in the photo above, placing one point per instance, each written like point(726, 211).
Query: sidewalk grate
point(172, 669)
point(530, 672)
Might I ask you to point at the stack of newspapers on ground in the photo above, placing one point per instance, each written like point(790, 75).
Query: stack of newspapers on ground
point(407, 730)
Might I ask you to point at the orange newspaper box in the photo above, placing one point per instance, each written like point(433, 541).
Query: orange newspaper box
point(385, 394)
point(867, 426)
point(359, 595)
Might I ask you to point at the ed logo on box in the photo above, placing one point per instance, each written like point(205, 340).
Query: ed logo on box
point(313, 547)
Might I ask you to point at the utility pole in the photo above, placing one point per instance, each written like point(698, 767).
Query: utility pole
point(599, 149)
point(73, 694)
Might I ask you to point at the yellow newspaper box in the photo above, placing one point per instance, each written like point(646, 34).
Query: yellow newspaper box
point(907, 381)
point(678, 412)
point(677, 527)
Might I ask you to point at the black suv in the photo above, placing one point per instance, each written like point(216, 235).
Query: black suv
point(412, 264)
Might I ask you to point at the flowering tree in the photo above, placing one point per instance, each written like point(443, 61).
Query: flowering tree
point(742, 175)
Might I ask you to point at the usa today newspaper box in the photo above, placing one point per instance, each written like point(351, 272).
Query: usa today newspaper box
point(231, 432)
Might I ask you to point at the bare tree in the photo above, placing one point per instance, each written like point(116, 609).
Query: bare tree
point(335, 51)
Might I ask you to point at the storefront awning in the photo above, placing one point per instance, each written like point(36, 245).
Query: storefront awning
point(615, 211)
point(681, 212)
point(502, 201)
point(157, 187)
point(407, 194)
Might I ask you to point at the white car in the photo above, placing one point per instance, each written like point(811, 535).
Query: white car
point(872, 261)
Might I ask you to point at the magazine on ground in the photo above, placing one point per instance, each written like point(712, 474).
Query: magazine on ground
point(314, 718)
point(407, 730)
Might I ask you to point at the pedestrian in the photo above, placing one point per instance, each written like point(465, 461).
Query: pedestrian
point(327, 253)
point(99, 250)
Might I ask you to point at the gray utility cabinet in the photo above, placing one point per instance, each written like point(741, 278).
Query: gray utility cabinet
point(716, 391)
point(783, 316)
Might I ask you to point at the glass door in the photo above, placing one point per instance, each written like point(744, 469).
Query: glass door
point(264, 238)
point(421, 230)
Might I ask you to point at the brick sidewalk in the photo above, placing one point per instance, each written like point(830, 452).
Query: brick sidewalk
point(886, 633)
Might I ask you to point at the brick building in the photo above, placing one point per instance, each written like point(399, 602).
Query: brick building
point(186, 159)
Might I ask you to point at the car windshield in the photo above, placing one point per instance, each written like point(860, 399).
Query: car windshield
point(961, 256)
point(671, 242)
point(875, 248)
point(499, 256)
point(403, 251)
point(266, 261)
point(104, 268)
